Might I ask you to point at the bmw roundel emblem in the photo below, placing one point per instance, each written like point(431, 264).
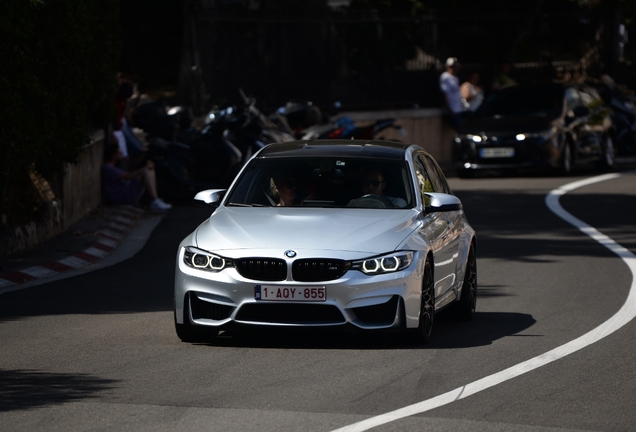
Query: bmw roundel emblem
point(290, 253)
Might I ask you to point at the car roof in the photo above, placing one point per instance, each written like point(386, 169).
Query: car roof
point(338, 147)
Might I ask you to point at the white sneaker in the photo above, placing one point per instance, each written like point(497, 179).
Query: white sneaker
point(158, 204)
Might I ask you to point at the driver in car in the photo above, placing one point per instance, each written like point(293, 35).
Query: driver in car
point(374, 183)
point(285, 187)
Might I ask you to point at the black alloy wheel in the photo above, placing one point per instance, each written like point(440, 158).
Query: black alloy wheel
point(189, 332)
point(467, 304)
point(427, 306)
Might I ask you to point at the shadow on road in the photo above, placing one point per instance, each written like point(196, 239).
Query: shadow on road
point(518, 226)
point(484, 329)
point(25, 389)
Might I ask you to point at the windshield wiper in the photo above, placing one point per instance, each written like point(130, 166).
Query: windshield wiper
point(246, 205)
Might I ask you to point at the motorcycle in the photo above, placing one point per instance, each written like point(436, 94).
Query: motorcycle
point(345, 128)
point(186, 161)
point(236, 133)
point(301, 115)
point(308, 122)
point(623, 115)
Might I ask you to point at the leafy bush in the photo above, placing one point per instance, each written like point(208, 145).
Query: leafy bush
point(57, 85)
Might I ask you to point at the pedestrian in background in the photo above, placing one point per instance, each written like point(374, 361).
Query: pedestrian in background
point(502, 78)
point(472, 93)
point(449, 85)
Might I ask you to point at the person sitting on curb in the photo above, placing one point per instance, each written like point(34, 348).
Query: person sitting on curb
point(127, 187)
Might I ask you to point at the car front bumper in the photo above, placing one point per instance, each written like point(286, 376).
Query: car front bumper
point(225, 298)
point(530, 154)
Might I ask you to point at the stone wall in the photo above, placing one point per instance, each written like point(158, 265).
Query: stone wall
point(423, 126)
point(82, 182)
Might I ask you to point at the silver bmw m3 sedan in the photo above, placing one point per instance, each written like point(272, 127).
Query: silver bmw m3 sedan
point(361, 235)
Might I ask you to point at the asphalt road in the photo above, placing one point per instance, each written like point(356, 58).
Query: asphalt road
point(98, 351)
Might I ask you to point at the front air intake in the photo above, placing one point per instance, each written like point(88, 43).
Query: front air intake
point(202, 309)
point(379, 315)
point(292, 313)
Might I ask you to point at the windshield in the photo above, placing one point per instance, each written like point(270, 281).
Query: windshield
point(323, 182)
point(544, 101)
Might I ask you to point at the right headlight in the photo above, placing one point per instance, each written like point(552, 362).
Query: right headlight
point(204, 260)
point(384, 264)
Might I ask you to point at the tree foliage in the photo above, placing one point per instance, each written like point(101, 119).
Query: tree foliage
point(59, 63)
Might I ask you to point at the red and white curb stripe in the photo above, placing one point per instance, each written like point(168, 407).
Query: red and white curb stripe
point(110, 235)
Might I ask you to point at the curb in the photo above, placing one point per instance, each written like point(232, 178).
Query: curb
point(110, 235)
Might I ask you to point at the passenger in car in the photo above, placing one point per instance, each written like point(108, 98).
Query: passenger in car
point(374, 182)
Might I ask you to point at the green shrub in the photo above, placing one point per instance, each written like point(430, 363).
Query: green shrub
point(59, 60)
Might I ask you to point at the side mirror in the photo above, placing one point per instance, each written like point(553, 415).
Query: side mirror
point(441, 202)
point(210, 197)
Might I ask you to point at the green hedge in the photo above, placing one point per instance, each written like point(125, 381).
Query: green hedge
point(59, 60)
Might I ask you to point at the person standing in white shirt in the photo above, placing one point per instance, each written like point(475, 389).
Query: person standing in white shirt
point(449, 85)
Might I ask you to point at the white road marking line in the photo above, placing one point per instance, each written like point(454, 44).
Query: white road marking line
point(626, 313)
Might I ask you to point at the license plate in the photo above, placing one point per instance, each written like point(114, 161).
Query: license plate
point(497, 152)
point(296, 294)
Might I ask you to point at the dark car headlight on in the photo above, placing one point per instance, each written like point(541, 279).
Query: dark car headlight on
point(204, 260)
point(384, 264)
point(545, 135)
point(468, 138)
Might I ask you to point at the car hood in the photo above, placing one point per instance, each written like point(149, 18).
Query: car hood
point(372, 231)
point(503, 125)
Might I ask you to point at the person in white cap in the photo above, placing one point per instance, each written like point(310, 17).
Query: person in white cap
point(449, 85)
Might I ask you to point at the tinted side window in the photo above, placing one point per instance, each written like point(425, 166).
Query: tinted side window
point(424, 183)
point(436, 175)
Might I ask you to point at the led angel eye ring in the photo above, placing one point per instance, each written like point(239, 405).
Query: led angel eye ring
point(200, 260)
point(390, 263)
point(366, 268)
point(217, 263)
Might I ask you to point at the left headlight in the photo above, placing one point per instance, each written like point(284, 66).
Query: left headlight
point(204, 260)
point(384, 264)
